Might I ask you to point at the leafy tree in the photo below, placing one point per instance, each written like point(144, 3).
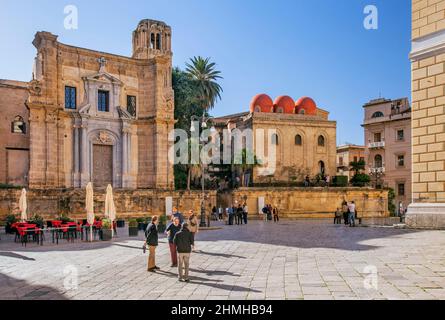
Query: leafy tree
point(357, 166)
point(196, 91)
point(205, 78)
point(360, 180)
point(391, 205)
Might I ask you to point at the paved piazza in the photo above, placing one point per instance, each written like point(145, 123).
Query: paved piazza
point(304, 259)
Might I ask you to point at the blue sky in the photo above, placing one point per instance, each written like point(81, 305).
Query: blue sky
point(316, 48)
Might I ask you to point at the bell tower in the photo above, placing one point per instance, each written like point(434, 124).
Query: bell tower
point(151, 39)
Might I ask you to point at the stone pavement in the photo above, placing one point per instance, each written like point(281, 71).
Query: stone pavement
point(304, 259)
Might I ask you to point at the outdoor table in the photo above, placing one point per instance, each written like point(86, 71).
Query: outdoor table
point(27, 228)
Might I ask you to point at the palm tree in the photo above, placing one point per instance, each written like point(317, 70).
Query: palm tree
point(205, 76)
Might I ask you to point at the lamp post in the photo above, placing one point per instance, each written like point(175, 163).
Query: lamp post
point(376, 173)
point(203, 121)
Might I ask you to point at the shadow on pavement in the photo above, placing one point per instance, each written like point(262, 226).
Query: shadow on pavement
point(209, 282)
point(307, 233)
point(16, 255)
point(215, 254)
point(15, 289)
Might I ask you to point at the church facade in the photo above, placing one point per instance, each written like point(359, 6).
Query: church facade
point(304, 138)
point(92, 116)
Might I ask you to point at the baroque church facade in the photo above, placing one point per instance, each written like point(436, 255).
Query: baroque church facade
point(91, 116)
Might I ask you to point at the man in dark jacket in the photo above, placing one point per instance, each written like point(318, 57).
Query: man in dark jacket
point(184, 242)
point(151, 235)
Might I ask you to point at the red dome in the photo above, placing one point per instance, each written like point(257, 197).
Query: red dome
point(284, 102)
point(263, 101)
point(307, 104)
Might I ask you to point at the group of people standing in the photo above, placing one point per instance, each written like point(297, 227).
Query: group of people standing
point(270, 212)
point(237, 214)
point(348, 211)
point(181, 240)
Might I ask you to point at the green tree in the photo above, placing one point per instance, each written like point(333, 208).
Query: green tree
point(205, 78)
point(196, 92)
point(357, 166)
point(359, 179)
point(186, 107)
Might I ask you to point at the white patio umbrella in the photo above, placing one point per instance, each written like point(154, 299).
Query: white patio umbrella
point(110, 209)
point(89, 206)
point(23, 206)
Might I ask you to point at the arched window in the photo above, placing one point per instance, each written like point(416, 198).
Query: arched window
point(275, 140)
point(302, 111)
point(298, 140)
point(18, 125)
point(257, 109)
point(321, 141)
point(279, 110)
point(378, 114)
point(378, 161)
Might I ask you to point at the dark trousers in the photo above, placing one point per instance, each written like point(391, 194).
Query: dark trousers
point(245, 217)
point(345, 218)
point(337, 220)
point(230, 219)
point(276, 218)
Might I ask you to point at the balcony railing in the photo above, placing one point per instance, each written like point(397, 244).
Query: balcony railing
point(377, 170)
point(374, 145)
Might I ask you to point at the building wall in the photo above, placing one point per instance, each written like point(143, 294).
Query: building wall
point(314, 202)
point(301, 160)
point(62, 139)
point(50, 203)
point(14, 147)
point(388, 126)
point(348, 154)
point(428, 102)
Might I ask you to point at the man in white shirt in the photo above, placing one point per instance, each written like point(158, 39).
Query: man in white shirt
point(351, 207)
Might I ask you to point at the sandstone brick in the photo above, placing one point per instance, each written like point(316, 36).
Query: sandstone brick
point(436, 166)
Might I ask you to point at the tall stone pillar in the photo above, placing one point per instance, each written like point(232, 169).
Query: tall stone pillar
point(84, 170)
point(76, 162)
point(428, 115)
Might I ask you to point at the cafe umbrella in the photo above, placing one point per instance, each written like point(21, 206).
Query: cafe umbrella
point(23, 206)
point(89, 206)
point(110, 209)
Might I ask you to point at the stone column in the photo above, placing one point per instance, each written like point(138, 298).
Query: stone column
point(76, 150)
point(84, 152)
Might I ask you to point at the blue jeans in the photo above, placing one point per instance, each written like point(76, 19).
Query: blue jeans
point(352, 218)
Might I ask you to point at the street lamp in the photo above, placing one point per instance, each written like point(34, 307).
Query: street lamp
point(203, 120)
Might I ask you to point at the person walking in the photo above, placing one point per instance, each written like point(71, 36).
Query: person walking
point(171, 231)
point(345, 210)
point(193, 223)
point(184, 243)
point(220, 213)
point(214, 213)
point(269, 212)
point(230, 215)
point(151, 235)
point(264, 210)
point(239, 215)
point(338, 214)
point(276, 217)
point(351, 217)
point(245, 212)
point(177, 214)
